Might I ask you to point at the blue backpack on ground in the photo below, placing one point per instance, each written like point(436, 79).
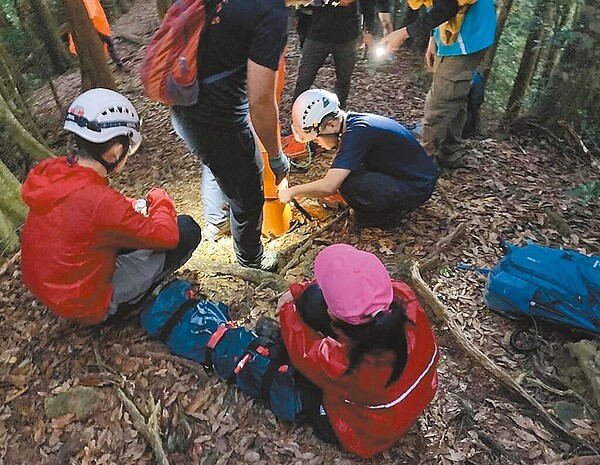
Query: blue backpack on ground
point(559, 286)
point(200, 330)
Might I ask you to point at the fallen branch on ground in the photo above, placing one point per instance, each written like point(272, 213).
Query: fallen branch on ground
point(298, 255)
point(582, 460)
point(10, 262)
point(149, 429)
point(316, 233)
point(440, 311)
point(432, 258)
point(197, 368)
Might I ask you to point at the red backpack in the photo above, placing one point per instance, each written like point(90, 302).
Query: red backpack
point(169, 70)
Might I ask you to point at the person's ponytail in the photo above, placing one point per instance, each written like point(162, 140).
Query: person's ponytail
point(385, 332)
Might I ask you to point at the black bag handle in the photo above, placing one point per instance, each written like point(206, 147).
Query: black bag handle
point(166, 330)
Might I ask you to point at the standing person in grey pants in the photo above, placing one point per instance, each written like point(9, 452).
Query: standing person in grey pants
point(334, 30)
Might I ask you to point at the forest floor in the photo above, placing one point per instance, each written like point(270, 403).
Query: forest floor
point(517, 189)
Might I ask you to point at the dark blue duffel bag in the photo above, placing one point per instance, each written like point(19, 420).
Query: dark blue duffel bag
point(201, 330)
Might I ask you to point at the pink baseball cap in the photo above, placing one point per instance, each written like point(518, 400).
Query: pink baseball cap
point(355, 284)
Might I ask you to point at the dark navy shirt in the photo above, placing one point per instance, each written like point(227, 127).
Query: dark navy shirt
point(381, 144)
point(334, 24)
point(241, 30)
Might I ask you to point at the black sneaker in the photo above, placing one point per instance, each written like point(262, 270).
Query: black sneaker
point(268, 328)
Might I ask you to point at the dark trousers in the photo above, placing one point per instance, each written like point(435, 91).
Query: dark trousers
point(313, 410)
point(111, 49)
point(370, 191)
point(314, 55)
point(189, 238)
point(234, 159)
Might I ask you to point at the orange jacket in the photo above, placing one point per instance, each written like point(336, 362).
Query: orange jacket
point(367, 416)
point(75, 227)
point(99, 20)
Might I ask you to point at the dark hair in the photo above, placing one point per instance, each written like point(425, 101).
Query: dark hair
point(385, 332)
point(87, 149)
point(313, 309)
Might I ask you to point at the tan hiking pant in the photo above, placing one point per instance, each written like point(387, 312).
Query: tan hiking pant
point(446, 105)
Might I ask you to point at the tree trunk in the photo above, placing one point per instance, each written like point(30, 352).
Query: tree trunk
point(12, 211)
point(528, 64)
point(11, 68)
point(47, 31)
point(488, 60)
point(95, 71)
point(573, 92)
point(162, 6)
point(9, 90)
point(565, 19)
point(20, 135)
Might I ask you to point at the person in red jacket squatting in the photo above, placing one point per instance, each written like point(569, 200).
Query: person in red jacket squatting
point(375, 372)
point(86, 248)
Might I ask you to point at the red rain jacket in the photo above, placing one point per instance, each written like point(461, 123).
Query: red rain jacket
point(367, 417)
point(75, 227)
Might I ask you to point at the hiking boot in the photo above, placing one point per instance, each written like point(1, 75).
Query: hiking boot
point(268, 262)
point(214, 232)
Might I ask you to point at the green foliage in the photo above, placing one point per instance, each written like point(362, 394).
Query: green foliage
point(587, 191)
point(508, 55)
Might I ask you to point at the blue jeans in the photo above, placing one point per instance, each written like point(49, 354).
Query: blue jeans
point(233, 157)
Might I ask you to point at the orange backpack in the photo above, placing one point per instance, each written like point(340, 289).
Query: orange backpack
point(169, 70)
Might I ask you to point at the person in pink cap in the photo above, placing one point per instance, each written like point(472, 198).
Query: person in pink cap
point(364, 343)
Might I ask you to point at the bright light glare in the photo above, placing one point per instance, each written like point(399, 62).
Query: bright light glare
point(380, 51)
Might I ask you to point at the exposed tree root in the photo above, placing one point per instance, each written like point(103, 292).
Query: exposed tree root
point(149, 429)
point(259, 277)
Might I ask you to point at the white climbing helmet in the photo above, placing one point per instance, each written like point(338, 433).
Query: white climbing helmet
point(99, 115)
point(308, 112)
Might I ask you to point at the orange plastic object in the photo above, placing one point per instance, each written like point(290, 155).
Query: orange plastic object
point(276, 215)
point(99, 20)
point(276, 218)
point(292, 148)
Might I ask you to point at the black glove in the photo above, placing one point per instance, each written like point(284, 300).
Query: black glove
point(280, 167)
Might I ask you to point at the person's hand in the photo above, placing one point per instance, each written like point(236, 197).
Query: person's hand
point(368, 40)
point(430, 54)
point(280, 166)
point(285, 298)
point(394, 40)
point(285, 195)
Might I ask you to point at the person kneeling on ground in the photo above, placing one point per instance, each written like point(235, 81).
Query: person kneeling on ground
point(86, 248)
point(372, 356)
point(378, 167)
